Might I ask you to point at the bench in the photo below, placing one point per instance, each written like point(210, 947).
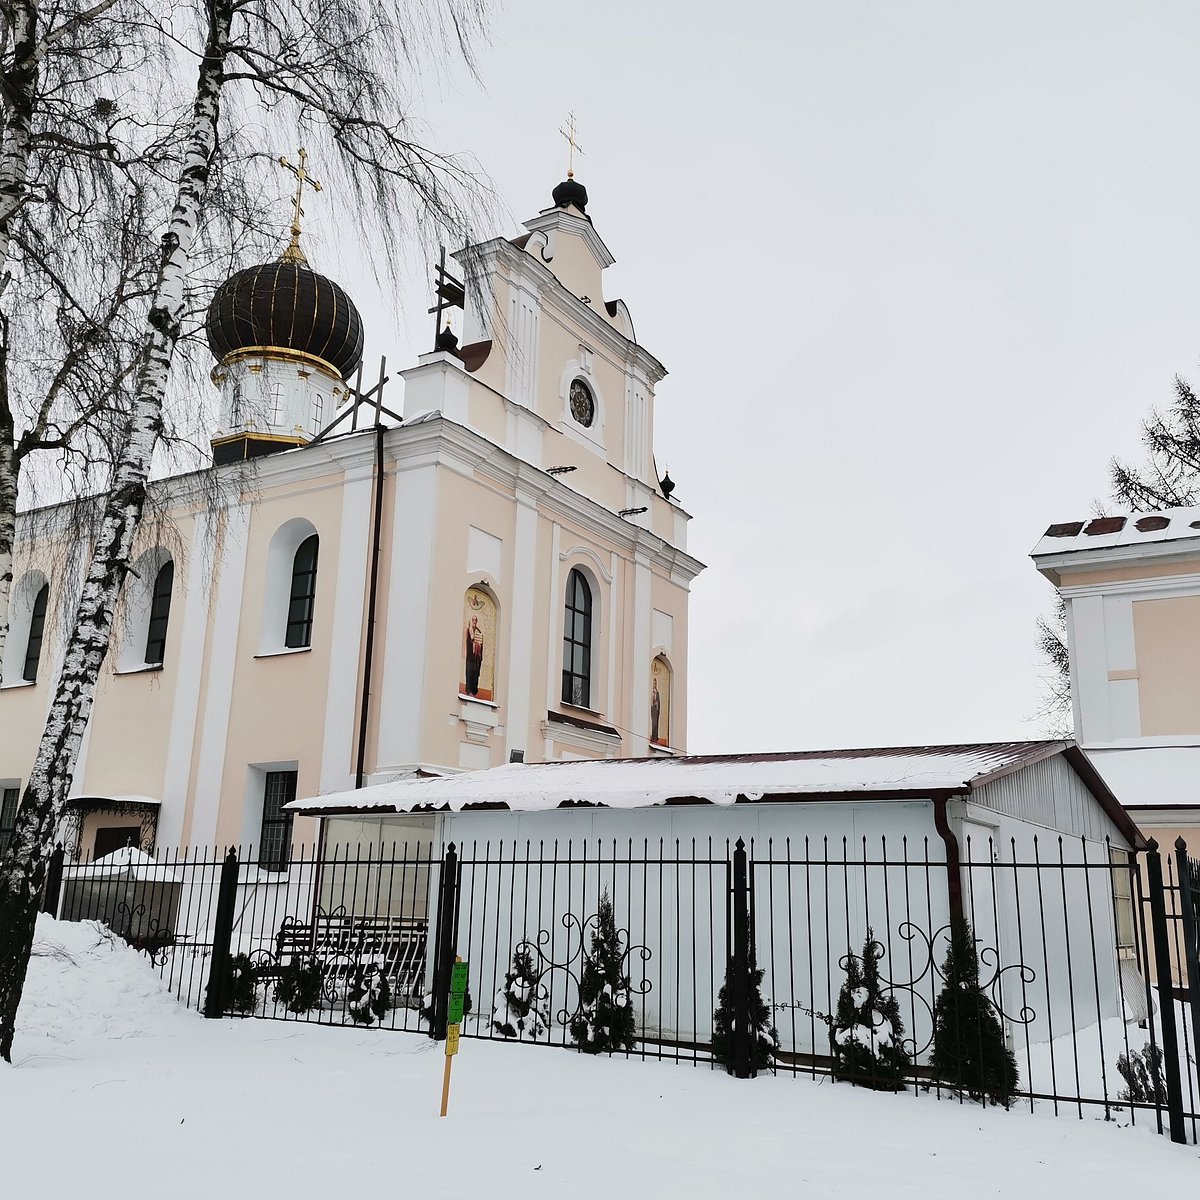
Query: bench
point(343, 944)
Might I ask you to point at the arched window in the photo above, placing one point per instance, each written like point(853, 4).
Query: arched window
point(303, 595)
point(577, 642)
point(160, 611)
point(37, 628)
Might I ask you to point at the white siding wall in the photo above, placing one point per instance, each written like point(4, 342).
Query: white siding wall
point(1050, 794)
point(811, 908)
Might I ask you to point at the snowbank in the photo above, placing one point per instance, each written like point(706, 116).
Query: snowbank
point(84, 982)
point(193, 1108)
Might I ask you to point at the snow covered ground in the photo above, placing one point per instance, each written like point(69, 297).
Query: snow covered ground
point(117, 1090)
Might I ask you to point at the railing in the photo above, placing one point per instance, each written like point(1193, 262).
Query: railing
point(1084, 959)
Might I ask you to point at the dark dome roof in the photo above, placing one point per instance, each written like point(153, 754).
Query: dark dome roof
point(570, 191)
point(286, 305)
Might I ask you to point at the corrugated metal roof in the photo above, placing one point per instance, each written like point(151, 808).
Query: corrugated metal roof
point(898, 771)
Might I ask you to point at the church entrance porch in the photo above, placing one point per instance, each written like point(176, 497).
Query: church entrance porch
point(95, 826)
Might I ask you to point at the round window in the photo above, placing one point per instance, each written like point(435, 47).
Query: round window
point(583, 407)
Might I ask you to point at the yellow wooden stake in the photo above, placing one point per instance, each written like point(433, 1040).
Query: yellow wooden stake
point(446, 1084)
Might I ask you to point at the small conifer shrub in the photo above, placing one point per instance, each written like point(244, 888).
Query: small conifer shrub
point(764, 1037)
point(298, 988)
point(969, 1050)
point(604, 1021)
point(866, 1034)
point(1142, 1071)
point(369, 996)
point(242, 996)
point(520, 1008)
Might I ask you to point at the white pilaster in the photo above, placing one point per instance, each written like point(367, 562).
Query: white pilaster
point(555, 623)
point(519, 720)
point(400, 715)
point(614, 601)
point(1089, 668)
point(223, 644)
point(639, 658)
point(189, 671)
point(339, 745)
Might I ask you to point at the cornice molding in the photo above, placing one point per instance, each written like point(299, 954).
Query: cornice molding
point(439, 441)
point(1095, 558)
point(1161, 585)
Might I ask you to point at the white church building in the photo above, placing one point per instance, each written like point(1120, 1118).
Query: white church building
point(501, 575)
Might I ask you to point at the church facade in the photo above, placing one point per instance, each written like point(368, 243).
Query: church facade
point(500, 575)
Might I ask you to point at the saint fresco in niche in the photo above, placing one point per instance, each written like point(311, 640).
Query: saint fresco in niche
point(660, 703)
point(478, 645)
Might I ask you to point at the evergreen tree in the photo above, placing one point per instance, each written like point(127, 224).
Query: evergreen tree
point(764, 1036)
point(369, 997)
point(866, 1035)
point(1143, 1074)
point(969, 1051)
point(520, 1009)
point(299, 986)
point(604, 1022)
point(242, 996)
point(1170, 476)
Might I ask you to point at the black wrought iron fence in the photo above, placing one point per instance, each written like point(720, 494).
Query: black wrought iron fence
point(1083, 954)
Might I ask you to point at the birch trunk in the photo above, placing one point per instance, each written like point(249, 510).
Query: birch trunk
point(9, 478)
point(18, 86)
point(22, 871)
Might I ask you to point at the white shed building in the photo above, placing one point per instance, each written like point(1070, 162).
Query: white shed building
point(1025, 837)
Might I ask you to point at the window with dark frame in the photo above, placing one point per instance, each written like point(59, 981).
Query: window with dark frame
point(275, 840)
point(8, 815)
point(1122, 896)
point(160, 611)
point(37, 627)
point(577, 642)
point(303, 595)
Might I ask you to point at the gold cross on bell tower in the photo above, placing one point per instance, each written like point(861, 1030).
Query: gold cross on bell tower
point(293, 253)
point(569, 134)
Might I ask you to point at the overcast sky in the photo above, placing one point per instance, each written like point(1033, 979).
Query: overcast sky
point(917, 271)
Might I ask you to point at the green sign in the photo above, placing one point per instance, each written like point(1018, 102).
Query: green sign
point(458, 979)
point(455, 1014)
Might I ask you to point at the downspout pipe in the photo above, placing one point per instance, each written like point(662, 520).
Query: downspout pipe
point(364, 707)
point(941, 821)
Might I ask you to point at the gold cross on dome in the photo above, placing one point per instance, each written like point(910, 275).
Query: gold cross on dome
point(569, 134)
point(293, 253)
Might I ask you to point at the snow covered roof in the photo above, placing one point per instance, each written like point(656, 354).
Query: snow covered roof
point(1120, 534)
point(129, 863)
point(715, 779)
point(88, 798)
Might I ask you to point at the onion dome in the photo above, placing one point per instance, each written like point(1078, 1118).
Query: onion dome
point(286, 306)
point(570, 191)
point(447, 340)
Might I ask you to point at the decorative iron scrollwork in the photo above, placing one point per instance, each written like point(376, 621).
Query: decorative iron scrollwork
point(576, 960)
point(927, 976)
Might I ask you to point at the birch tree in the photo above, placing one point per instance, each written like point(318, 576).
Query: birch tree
point(70, 170)
point(330, 68)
